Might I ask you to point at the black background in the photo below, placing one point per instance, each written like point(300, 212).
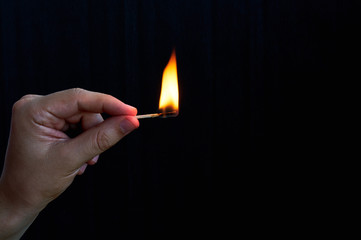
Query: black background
point(227, 164)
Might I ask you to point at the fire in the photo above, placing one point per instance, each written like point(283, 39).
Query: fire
point(168, 101)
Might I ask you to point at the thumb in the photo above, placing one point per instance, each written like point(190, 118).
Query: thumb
point(100, 138)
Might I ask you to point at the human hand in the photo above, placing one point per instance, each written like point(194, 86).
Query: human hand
point(42, 160)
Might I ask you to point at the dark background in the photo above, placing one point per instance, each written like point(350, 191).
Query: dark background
point(230, 163)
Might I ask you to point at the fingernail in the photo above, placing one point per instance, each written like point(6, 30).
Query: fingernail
point(126, 126)
point(94, 160)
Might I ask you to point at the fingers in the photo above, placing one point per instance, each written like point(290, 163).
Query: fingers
point(63, 110)
point(93, 161)
point(68, 103)
point(78, 123)
point(91, 120)
point(82, 169)
point(90, 162)
point(100, 138)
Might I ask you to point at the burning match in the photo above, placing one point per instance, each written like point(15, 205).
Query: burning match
point(168, 102)
point(155, 115)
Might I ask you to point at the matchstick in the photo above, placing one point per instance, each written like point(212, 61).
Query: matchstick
point(151, 115)
point(155, 115)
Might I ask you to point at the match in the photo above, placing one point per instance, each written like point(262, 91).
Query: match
point(155, 115)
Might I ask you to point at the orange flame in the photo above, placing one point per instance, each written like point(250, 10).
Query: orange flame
point(168, 101)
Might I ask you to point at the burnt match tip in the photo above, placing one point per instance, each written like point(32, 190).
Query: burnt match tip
point(168, 114)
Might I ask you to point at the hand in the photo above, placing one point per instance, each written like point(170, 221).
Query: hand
point(42, 160)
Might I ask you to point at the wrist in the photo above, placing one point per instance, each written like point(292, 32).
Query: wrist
point(15, 218)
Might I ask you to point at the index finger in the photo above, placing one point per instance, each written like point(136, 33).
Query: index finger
point(67, 103)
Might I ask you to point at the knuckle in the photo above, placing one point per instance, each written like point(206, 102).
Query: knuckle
point(29, 97)
point(103, 141)
point(22, 102)
point(18, 106)
point(77, 91)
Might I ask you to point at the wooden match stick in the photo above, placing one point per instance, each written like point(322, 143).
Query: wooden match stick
point(155, 115)
point(151, 115)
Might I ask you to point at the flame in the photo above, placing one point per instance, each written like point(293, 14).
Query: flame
point(169, 94)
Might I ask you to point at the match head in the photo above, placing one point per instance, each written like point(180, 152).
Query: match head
point(167, 114)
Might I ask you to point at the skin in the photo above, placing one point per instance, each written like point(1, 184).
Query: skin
point(42, 160)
